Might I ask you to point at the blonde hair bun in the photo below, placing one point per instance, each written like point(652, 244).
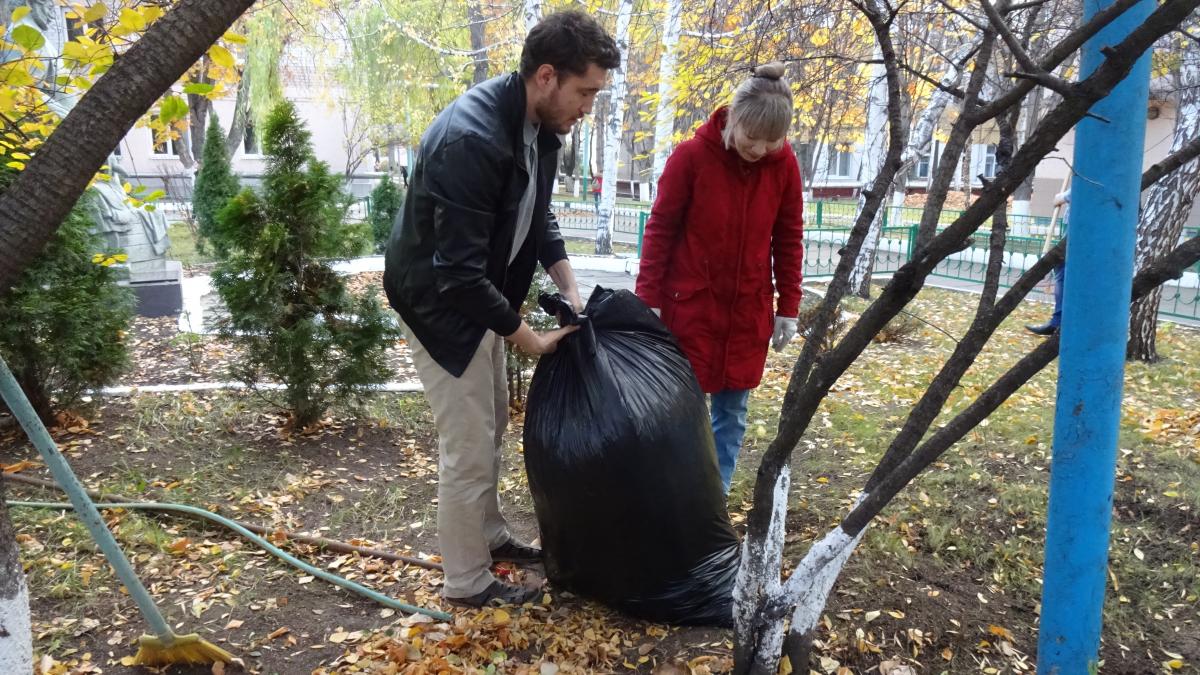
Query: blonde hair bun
point(761, 106)
point(770, 71)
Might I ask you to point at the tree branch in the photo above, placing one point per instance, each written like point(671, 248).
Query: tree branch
point(960, 133)
point(1171, 162)
point(1026, 5)
point(953, 91)
point(1006, 34)
point(1169, 267)
point(1184, 32)
point(1047, 80)
point(1053, 58)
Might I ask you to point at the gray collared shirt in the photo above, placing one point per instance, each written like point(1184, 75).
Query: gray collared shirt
point(525, 209)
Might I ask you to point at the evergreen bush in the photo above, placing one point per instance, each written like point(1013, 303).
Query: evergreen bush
point(65, 320)
point(386, 200)
point(215, 186)
point(288, 309)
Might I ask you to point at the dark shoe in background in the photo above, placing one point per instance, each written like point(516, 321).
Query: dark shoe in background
point(514, 551)
point(1045, 329)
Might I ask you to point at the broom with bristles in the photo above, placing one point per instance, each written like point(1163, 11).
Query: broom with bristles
point(164, 647)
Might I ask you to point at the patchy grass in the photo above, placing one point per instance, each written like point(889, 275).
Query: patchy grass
point(948, 579)
point(184, 246)
point(588, 247)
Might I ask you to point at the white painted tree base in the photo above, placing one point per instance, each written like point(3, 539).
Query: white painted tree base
point(16, 636)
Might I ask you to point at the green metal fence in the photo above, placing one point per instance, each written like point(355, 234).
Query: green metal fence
point(827, 229)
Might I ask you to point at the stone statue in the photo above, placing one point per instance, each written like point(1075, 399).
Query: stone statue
point(140, 233)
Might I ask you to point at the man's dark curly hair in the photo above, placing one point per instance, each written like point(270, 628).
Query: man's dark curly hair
point(569, 41)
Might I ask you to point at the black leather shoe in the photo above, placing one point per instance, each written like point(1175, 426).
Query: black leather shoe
point(515, 552)
point(499, 593)
point(1044, 329)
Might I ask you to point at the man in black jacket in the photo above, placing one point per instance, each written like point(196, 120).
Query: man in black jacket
point(460, 261)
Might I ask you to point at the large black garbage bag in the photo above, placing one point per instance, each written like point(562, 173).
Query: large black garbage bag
point(623, 471)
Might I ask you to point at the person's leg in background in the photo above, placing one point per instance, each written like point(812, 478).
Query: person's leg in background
point(1060, 275)
point(1051, 326)
point(729, 428)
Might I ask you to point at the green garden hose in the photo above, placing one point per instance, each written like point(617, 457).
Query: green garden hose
point(12, 395)
point(258, 541)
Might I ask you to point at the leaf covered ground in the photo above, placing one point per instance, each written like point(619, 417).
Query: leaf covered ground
point(947, 581)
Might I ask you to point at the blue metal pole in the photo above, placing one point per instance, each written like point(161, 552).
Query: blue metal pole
point(1103, 220)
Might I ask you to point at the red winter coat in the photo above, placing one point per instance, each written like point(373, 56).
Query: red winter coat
point(718, 228)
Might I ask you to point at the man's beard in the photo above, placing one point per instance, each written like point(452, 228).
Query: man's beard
point(554, 119)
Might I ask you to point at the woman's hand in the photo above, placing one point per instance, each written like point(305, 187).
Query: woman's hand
point(785, 330)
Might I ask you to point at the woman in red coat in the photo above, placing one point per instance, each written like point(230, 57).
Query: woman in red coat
point(724, 235)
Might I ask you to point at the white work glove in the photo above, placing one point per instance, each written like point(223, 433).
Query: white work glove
point(657, 311)
point(785, 330)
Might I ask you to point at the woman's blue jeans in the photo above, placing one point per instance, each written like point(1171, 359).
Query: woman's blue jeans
point(729, 427)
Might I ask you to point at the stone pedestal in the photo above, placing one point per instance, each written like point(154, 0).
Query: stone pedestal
point(159, 291)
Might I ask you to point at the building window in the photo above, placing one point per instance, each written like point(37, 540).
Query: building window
point(989, 161)
point(840, 159)
point(922, 169)
point(250, 141)
point(75, 29)
point(167, 148)
point(804, 154)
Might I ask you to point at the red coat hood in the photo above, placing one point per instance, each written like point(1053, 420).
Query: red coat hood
point(711, 132)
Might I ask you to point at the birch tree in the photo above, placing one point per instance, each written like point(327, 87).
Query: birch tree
point(1167, 207)
point(532, 13)
point(664, 114)
point(774, 616)
point(872, 164)
point(612, 133)
point(921, 137)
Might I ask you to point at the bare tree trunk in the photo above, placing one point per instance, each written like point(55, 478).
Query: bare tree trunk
point(760, 601)
point(612, 134)
point(876, 140)
point(664, 115)
point(1167, 209)
point(241, 115)
point(198, 109)
point(479, 57)
point(921, 139)
point(1024, 193)
point(533, 13)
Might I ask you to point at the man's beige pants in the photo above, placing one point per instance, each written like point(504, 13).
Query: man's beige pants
point(471, 413)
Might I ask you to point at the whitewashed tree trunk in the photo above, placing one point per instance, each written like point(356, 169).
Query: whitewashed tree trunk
point(758, 587)
point(758, 583)
point(876, 145)
point(16, 638)
point(612, 134)
point(1167, 209)
point(664, 116)
point(1021, 198)
point(533, 14)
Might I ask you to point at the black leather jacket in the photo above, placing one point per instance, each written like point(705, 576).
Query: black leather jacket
point(447, 271)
